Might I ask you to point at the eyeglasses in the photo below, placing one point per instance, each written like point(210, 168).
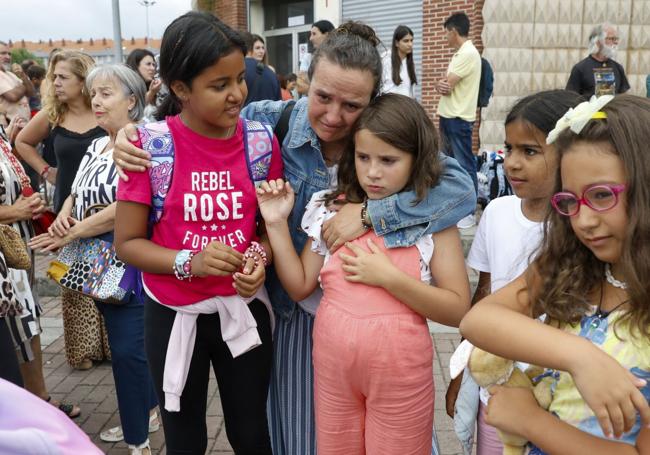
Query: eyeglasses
point(612, 39)
point(597, 197)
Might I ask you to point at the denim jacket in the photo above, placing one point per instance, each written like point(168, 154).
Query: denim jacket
point(395, 218)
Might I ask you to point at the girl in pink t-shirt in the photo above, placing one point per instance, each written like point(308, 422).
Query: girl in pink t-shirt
point(373, 356)
point(202, 262)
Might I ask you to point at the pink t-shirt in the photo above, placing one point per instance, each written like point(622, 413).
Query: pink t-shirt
point(211, 198)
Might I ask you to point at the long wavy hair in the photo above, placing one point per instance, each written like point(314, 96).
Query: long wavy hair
point(396, 63)
point(401, 122)
point(566, 271)
point(80, 66)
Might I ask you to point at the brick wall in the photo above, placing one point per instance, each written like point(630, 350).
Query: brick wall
point(436, 53)
point(232, 12)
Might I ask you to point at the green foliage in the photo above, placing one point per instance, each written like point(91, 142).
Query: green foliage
point(20, 55)
point(206, 5)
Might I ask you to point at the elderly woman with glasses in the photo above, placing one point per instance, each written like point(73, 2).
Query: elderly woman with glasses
point(117, 98)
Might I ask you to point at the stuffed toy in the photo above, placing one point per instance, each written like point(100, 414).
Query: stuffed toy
point(488, 370)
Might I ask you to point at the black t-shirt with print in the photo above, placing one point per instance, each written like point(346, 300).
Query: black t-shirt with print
point(586, 72)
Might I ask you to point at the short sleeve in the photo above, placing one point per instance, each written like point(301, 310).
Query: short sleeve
point(316, 213)
point(463, 64)
point(478, 257)
point(137, 188)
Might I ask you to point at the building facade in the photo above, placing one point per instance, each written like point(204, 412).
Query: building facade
point(531, 44)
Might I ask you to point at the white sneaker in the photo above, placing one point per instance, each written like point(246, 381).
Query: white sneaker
point(115, 434)
point(467, 222)
point(142, 449)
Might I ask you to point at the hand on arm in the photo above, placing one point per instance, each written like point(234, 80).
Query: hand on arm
point(298, 275)
point(502, 324)
point(514, 410)
point(126, 155)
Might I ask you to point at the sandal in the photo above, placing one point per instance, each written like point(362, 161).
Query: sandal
point(71, 410)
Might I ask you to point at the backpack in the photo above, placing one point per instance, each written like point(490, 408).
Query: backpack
point(492, 181)
point(157, 140)
point(486, 86)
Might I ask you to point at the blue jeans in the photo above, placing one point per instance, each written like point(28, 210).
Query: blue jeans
point(134, 388)
point(457, 142)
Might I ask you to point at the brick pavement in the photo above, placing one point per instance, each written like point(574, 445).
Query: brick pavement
point(94, 391)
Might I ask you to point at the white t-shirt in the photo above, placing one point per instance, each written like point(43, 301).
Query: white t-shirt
point(504, 241)
point(388, 86)
point(504, 245)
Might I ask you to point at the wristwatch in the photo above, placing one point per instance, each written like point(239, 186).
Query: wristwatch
point(366, 222)
point(183, 264)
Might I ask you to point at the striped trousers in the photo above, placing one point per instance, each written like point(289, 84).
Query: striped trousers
point(291, 394)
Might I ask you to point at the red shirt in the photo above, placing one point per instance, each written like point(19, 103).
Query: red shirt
point(211, 198)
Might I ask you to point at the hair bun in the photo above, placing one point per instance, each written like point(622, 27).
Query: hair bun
point(359, 29)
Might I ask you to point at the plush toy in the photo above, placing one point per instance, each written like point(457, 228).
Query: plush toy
point(488, 370)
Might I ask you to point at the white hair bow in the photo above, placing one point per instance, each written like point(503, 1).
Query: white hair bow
point(577, 117)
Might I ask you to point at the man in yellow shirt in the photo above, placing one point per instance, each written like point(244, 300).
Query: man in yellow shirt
point(457, 106)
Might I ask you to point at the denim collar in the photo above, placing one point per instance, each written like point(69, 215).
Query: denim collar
point(301, 130)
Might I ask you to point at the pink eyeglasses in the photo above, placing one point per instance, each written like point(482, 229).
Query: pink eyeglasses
point(601, 197)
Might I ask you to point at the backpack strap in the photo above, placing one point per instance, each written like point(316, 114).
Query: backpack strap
point(282, 127)
point(258, 143)
point(157, 140)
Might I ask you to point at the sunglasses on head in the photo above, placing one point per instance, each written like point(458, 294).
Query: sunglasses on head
point(600, 197)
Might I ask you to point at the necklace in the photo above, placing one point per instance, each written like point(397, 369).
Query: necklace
point(594, 327)
point(613, 281)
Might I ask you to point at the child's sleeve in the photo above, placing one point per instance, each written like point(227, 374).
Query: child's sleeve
point(316, 213)
point(478, 257)
point(137, 188)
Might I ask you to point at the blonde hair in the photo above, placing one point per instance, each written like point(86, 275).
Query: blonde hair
point(80, 65)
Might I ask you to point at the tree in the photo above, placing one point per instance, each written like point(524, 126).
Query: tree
point(19, 55)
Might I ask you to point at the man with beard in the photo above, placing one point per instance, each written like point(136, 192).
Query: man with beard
point(599, 73)
point(13, 88)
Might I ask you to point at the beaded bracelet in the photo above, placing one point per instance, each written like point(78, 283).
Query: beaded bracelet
point(256, 251)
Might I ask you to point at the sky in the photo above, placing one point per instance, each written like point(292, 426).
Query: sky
point(32, 20)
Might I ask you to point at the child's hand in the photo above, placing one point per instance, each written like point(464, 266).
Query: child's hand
point(216, 259)
point(511, 409)
point(250, 279)
point(611, 391)
point(275, 199)
point(373, 269)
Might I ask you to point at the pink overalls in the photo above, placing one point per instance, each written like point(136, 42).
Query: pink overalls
point(373, 365)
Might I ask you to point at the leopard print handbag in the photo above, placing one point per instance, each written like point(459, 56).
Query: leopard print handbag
point(13, 248)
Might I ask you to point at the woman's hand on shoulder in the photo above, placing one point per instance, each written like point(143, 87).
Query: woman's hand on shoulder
point(275, 199)
point(126, 155)
point(370, 267)
point(216, 259)
point(611, 391)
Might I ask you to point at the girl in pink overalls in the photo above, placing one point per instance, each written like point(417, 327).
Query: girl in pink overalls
point(373, 354)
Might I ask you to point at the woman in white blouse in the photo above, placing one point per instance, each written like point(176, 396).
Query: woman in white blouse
point(399, 69)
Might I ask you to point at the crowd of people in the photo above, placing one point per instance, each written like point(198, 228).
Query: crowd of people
point(297, 245)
